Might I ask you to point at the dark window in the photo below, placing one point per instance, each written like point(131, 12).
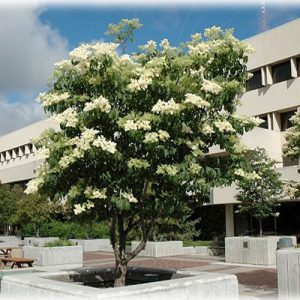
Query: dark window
point(298, 65)
point(265, 121)
point(281, 72)
point(285, 119)
point(255, 81)
point(287, 161)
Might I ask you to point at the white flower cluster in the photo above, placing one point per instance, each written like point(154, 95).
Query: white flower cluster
point(68, 117)
point(153, 137)
point(93, 193)
point(199, 49)
point(164, 44)
point(167, 170)
point(186, 129)
point(206, 129)
point(246, 175)
point(143, 82)
point(81, 144)
point(195, 100)
point(80, 208)
point(211, 87)
point(129, 197)
point(108, 49)
point(224, 126)
point(42, 153)
point(141, 124)
point(52, 98)
point(255, 121)
point(124, 59)
point(195, 147)
point(100, 103)
point(150, 46)
point(169, 107)
point(33, 185)
point(105, 145)
point(63, 64)
point(81, 53)
point(195, 168)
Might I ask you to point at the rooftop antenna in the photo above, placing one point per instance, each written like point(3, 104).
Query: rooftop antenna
point(263, 16)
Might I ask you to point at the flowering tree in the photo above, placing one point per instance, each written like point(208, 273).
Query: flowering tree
point(136, 131)
point(292, 150)
point(259, 187)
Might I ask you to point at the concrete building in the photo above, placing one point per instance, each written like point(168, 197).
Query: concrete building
point(273, 94)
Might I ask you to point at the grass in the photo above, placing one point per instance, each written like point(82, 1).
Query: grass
point(197, 243)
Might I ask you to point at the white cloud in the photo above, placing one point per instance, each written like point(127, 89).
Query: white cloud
point(28, 50)
point(15, 115)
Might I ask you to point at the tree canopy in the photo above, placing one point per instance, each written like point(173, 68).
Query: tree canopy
point(136, 130)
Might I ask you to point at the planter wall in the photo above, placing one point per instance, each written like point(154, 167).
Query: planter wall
point(199, 285)
point(160, 249)
point(252, 250)
point(288, 273)
point(94, 244)
point(38, 241)
point(48, 256)
point(10, 239)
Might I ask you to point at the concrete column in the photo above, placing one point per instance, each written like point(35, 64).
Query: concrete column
point(270, 121)
point(269, 75)
point(294, 67)
point(263, 76)
point(229, 219)
point(276, 121)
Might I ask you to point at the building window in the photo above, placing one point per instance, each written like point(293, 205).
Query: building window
point(265, 123)
point(255, 82)
point(281, 72)
point(298, 65)
point(285, 119)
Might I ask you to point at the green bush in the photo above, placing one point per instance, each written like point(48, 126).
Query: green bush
point(197, 243)
point(59, 243)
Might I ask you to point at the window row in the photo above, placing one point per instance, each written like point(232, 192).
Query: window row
point(17, 152)
point(275, 73)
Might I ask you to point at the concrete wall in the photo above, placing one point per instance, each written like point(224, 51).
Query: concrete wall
point(41, 241)
point(48, 256)
point(252, 250)
point(160, 249)
point(288, 274)
point(200, 285)
point(94, 244)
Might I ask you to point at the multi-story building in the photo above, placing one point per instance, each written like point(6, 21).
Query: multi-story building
point(273, 94)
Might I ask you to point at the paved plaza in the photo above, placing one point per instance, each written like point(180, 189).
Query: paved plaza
point(254, 281)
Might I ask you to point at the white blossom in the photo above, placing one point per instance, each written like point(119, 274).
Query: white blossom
point(195, 100)
point(140, 124)
point(129, 197)
point(211, 87)
point(33, 185)
point(169, 107)
point(207, 129)
point(68, 117)
point(42, 153)
point(52, 98)
point(100, 49)
point(78, 209)
point(167, 170)
point(81, 53)
point(94, 193)
point(105, 145)
point(100, 103)
point(224, 126)
point(143, 82)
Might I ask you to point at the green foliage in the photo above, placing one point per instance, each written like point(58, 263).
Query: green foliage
point(260, 187)
point(9, 198)
point(124, 31)
point(59, 243)
point(189, 243)
point(65, 230)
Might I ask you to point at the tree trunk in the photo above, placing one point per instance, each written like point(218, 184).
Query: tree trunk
point(121, 271)
point(260, 228)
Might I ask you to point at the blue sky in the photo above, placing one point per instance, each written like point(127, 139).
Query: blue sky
point(84, 24)
point(42, 35)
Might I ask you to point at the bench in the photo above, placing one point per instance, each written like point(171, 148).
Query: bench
point(17, 261)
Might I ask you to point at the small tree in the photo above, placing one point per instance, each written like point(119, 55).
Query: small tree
point(9, 197)
point(136, 131)
point(34, 210)
point(259, 187)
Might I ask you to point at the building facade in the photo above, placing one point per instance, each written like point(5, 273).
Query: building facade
point(273, 94)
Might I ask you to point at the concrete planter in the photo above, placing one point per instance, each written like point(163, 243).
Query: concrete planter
point(288, 273)
point(49, 256)
point(198, 285)
point(94, 244)
point(38, 241)
point(160, 249)
point(10, 240)
point(252, 250)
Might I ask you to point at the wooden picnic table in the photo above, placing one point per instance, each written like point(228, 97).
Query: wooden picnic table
point(6, 251)
point(17, 261)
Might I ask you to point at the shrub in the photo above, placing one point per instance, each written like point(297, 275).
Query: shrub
point(59, 243)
